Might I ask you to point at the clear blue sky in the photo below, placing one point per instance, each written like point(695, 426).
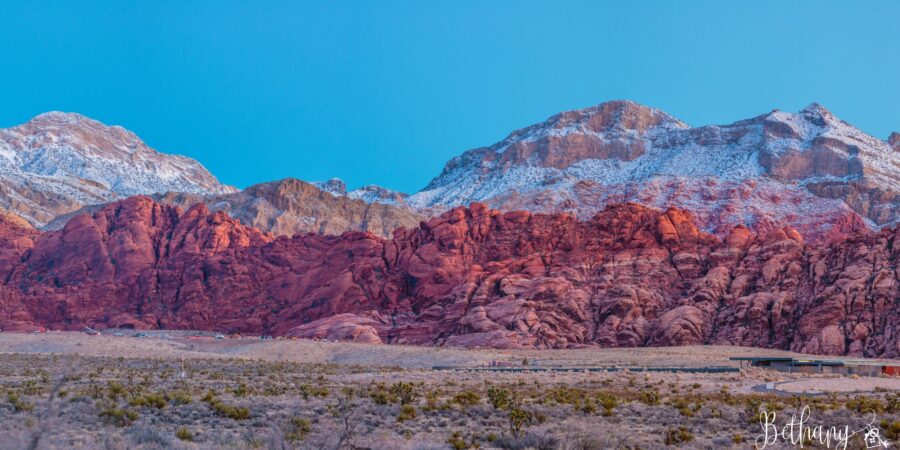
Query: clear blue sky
point(385, 92)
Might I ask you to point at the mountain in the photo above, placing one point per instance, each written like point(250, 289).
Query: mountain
point(629, 276)
point(807, 169)
point(369, 194)
point(58, 162)
point(287, 207)
point(290, 206)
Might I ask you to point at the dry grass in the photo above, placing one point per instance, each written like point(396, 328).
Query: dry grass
point(219, 397)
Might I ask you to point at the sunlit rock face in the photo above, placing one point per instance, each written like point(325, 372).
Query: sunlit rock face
point(629, 276)
point(808, 169)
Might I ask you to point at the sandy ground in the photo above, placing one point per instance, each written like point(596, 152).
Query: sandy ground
point(411, 357)
point(327, 385)
point(841, 384)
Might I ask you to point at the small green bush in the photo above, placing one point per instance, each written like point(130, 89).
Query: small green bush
point(866, 405)
point(608, 402)
point(500, 398)
point(241, 390)
point(649, 397)
point(678, 436)
point(115, 390)
point(518, 418)
point(405, 392)
point(179, 398)
point(223, 410)
point(467, 398)
point(407, 412)
point(298, 429)
point(157, 401)
point(458, 443)
point(307, 391)
point(18, 404)
point(118, 416)
point(184, 434)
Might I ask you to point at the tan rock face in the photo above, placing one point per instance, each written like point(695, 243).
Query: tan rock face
point(630, 276)
point(610, 130)
point(809, 169)
point(288, 207)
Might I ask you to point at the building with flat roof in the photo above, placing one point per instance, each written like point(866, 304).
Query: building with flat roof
point(807, 365)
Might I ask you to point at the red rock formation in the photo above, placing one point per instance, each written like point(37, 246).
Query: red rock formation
point(631, 276)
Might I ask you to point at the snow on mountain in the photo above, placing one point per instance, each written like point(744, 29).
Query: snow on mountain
point(334, 186)
point(808, 166)
point(369, 193)
point(59, 162)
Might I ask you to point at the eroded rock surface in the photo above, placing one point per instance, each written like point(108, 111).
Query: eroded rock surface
point(630, 276)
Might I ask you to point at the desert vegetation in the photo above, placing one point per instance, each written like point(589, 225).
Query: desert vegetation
point(52, 401)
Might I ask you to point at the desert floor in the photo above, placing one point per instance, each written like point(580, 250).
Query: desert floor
point(170, 390)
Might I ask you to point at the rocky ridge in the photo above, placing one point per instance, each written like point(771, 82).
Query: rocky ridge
point(808, 169)
point(630, 276)
point(59, 162)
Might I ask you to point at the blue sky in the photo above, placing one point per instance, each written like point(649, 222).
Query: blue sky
point(385, 92)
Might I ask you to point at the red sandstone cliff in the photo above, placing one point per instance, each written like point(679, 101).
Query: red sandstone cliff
point(631, 276)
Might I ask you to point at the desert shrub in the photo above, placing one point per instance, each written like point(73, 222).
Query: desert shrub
point(184, 434)
point(588, 407)
point(457, 442)
point(241, 390)
point(678, 436)
point(893, 404)
point(407, 412)
point(500, 398)
point(381, 395)
point(518, 419)
point(565, 395)
point(649, 397)
point(179, 398)
point(18, 404)
point(608, 402)
point(273, 391)
point(157, 401)
point(31, 387)
point(119, 417)
point(865, 405)
point(683, 406)
point(307, 391)
point(737, 439)
point(115, 390)
point(298, 429)
point(891, 429)
point(223, 410)
point(752, 406)
point(772, 405)
point(209, 396)
point(431, 401)
point(231, 412)
point(405, 392)
point(726, 397)
point(467, 398)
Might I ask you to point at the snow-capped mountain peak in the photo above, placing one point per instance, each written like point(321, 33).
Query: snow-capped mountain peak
point(58, 162)
point(743, 172)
